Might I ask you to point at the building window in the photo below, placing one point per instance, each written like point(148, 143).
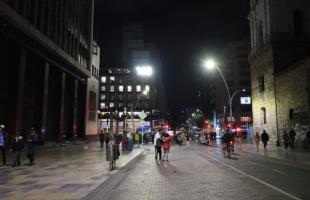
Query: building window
point(103, 79)
point(102, 97)
point(103, 88)
point(111, 104)
point(261, 84)
point(129, 88)
point(112, 79)
point(147, 88)
point(291, 114)
point(263, 115)
point(102, 105)
point(121, 88)
point(92, 106)
point(121, 97)
point(111, 88)
point(120, 105)
point(260, 38)
point(138, 88)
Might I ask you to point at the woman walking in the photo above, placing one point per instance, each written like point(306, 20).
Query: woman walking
point(166, 143)
point(257, 140)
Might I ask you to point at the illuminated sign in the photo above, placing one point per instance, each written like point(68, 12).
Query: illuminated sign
point(245, 100)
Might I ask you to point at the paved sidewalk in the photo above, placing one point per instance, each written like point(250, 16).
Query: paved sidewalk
point(68, 172)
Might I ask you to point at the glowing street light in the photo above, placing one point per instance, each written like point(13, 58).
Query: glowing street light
point(144, 70)
point(210, 64)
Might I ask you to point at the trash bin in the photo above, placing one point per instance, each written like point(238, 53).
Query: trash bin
point(111, 154)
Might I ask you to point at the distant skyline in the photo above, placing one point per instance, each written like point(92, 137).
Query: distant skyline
point(184, 34)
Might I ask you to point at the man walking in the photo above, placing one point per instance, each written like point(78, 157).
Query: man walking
point(292, 135)
point(101, 138)
point(286, 139)
point(157, 143)
point(31, 146)
point(17, 147)
point(264, 138)
point(2, 143)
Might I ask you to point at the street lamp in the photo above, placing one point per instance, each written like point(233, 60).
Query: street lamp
point(210, 64)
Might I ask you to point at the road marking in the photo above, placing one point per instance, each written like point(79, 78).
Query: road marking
point(252, 163)
point(278, 171)
point(258, 180)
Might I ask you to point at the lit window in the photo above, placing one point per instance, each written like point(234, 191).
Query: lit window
point(102, 97)
point(121, 88)
point(129, 88)
point(111, 105)
point(111, 88)
point(103, 88)
point(102, 105)
point(103, 79)
point(147, 88)
point(138, 88)
point(112, 79)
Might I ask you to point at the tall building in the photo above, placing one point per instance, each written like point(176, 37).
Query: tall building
point(121, 93)
point(45, 56)
point(280, 64)
point(236, 71)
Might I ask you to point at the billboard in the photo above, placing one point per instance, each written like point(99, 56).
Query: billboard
point(245, 100)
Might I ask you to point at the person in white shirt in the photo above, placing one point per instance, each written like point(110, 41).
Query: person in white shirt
point(157, 144)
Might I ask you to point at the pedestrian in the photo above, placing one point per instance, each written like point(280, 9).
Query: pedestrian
point(137, 139)
point(188, 139)
point(101, 138)
point(31, 146)
point(118, 139)
point(3, 141)
point(157, 144)
point(257, 140)
point(166, 143)
point(292, 135)
point(286, 139)
point(107, 139)
point(17, 147)
point(264, 138)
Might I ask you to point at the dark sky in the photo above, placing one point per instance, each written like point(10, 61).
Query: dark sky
point(184, 33)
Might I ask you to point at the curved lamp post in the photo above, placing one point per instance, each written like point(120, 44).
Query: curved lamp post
point(210, 64)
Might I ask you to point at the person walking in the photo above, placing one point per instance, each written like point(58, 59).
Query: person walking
point(137, 139)
point(17, 147)
point(107, 139)
point(101, 138)
point(157, 144)
point(31, 146)
point(264, 138)
point(188, 139)
point(286, 139)
point(3, 143)
point(166, 143)
point(257, 140)
point(292, 135)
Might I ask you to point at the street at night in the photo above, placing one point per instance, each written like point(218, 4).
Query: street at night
point(154, 100)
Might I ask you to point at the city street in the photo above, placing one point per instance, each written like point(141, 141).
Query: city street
point(201, 172)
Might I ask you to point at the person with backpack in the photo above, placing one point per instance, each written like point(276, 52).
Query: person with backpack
point(286, 139)
point(264, 138)
point(157, 143)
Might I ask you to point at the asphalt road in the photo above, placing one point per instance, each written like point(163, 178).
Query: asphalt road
point(201, 172)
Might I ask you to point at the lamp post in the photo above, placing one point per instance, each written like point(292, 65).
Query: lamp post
point(142, 71)
point(210, 64)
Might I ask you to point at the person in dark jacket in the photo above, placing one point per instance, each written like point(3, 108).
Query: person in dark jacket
point(31, 146)
point(264, 138)
point(3, 140)
point(17, 147)
point(286, 139)
point(101, 138)
point(292, 135)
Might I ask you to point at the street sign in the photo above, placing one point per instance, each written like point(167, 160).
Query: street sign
point(142, 115)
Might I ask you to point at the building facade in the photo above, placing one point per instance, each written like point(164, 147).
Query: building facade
point(279, 58)
point(122, 93)
point(46, 49)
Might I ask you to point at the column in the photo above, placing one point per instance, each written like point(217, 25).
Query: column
point(20, 91)
point(62, 107)
point(75, 105)
point(44, 102)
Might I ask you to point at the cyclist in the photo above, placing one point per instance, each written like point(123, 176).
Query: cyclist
point(226, 139)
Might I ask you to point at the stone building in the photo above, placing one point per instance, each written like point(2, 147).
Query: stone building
point(45, 58)
point(279, 58)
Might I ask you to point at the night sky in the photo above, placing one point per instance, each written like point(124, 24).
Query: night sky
point(184, 33)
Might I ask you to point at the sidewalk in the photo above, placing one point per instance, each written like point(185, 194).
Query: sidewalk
point(60, 172)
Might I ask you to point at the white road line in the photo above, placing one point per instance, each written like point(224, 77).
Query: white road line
point(278, 171)
point(258, 180)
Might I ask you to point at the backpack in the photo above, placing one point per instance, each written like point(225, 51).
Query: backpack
point(158, 142)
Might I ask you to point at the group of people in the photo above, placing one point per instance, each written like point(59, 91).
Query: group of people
point(264, 137)
point(17, 146)
point(162, 141)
